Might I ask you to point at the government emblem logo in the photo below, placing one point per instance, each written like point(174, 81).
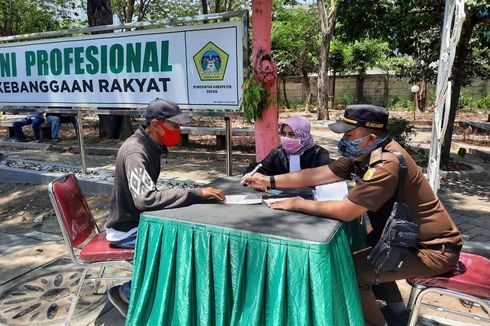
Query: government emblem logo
point(211, 62)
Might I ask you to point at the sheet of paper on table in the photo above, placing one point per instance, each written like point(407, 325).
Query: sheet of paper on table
point(243, 199)
point(274, 191)
point(331, 191)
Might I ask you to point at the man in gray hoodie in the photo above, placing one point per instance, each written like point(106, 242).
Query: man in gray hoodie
point(136, 175)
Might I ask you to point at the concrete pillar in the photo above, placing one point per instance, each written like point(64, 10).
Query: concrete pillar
point(266, 136)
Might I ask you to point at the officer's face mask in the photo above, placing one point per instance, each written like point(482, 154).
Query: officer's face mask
point(350, 148)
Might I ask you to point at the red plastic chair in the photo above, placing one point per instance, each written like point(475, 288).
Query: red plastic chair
point(78, 225)
point(468, 281)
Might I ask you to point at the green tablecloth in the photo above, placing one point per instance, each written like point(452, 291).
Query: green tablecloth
point(356, 235)
point(212, 264)
point(188, 274)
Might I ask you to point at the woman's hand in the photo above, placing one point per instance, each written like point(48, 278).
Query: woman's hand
point(257, 181)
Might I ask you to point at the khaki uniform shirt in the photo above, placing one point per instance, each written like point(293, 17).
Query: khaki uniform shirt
point(376, 190)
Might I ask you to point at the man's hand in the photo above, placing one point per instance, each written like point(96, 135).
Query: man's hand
point(291, 204)
point(258, 181)
point(210, 192)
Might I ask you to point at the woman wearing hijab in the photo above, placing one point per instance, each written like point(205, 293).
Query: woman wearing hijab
point(296, 152)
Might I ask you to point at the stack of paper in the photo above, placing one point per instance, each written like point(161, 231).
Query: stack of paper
point(331, 191)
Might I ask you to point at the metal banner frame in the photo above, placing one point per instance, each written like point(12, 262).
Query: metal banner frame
point(454, 17)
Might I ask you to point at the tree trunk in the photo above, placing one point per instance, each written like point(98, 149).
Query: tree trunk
point(126, 129)
point(306, 84)
point(327, 24)
point(322, 93)
point(422, 96)
point(334, 78)
point(284, 93)
point(129, 11)
point(386, 90)
point(99, 12)
point(109, 125)
point(360, 87)
point(459, 61)
point(204, 4)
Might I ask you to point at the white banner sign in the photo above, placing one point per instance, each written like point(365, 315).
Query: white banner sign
point(195, 66)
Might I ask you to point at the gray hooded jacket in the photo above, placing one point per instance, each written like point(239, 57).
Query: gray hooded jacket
point(135, 191)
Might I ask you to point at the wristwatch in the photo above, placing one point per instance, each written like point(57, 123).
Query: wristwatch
point(272, 181)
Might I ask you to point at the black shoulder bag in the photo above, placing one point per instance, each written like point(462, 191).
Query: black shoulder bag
point(399, 233)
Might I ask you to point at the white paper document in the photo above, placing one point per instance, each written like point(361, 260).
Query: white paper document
point(331, 191)
point(243, 199)
point(274, 191)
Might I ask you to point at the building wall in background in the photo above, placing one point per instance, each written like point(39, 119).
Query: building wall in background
point(374, 89)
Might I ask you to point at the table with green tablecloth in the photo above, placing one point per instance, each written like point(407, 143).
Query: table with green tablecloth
point(221, 264)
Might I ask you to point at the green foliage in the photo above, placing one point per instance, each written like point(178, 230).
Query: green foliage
point(413, 69)
point(154, 10)
point(413, 28)
point(400, 102)
point(483, 103)
point(345, 99)
point(172, 9)
point(31, 16)
point(399, 130)
point(25, 16)
point(67, 20)
point(338, 57)
point(285, 62)
point(119, 8)
point(298, 105)
point(368, 53)
point(465, 99)
point(295, 39)
point(431, 96)
point(222, 6)
point(424, 156)
point(255, 99)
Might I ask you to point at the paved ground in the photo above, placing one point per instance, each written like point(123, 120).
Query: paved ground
point(31, 259)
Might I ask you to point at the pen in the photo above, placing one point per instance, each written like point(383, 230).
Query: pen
point(255, 170)
point(251, 173)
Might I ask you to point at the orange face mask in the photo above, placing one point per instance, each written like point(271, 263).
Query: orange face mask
point(171, 137)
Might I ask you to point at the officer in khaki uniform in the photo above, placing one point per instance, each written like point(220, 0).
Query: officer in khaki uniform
point(365, 157)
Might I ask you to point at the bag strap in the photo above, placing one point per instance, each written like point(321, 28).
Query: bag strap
point(402, 175)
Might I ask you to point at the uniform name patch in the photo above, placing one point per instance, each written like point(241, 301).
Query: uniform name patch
point(369, 174)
